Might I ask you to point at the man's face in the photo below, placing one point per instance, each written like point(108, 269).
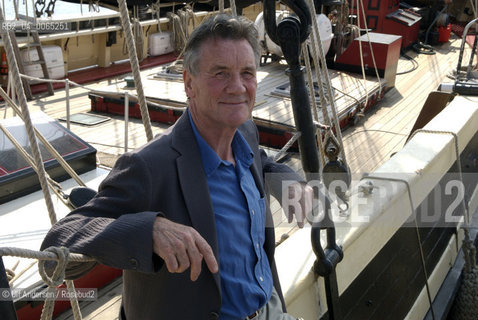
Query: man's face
point(222, 94)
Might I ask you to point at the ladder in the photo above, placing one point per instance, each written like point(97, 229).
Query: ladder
point(22, 64)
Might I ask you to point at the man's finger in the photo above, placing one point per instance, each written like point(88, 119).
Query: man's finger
point(196, 267)
point(209, 258)
point(183, 261)
point(306, 203)
point(195, 258)
point(171, 263)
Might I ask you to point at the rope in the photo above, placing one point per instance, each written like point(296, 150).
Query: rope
point(18, 275)
point(45, 143)
point(135, 68)
point(466, 304)
point(233, 7)
point(138, 38)
point(28, 122)
point(55, 280)
point(221, 6)
point(75, 306)
point(41, 255)
point(322, 73)
point(59, 273)
point(38, 161)
point(179, 35)
point(186, 15)
point(62, 256)
point(10, 274)
point(310, 82)
point(286, 147)
point(54, 186)
point(412, 206)
point(371, 53)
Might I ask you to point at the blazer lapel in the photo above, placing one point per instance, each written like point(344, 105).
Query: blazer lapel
point(193, 183)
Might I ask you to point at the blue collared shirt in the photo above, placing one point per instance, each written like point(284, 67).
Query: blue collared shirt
point(246, 278)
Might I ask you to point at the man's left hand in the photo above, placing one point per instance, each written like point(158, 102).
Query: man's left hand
point(298, 202)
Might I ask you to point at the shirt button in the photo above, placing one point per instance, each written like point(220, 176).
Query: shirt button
point(262, 279)
point(257, 245)
point(253, 212)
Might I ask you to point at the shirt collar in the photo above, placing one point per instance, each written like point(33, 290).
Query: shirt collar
point(242, 151)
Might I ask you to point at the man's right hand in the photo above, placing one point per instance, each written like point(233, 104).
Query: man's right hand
point(182, 247)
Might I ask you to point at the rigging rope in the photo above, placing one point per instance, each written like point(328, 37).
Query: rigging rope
point(221, 6)
point(62, 256)
point(322, 76)
point(54, 186)
point(412, 207)
point(44, 141)
point(28, 122)
point(42, 176)
point(310, 82)
point(179, 34)
point(466, 304)
point(233, 7)
point(138, 37)
point(371, 53)
point(156, 11)
point(232, 4)
point(135, 68)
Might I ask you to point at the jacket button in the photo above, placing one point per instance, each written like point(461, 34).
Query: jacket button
point(213, 315)
point(133, 263)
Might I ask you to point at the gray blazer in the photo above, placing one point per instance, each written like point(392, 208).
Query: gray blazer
point(164, 177)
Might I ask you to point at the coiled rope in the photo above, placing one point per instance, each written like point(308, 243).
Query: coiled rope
point(179, 24)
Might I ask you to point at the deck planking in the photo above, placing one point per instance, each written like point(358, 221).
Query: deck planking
point(384, 129)
point(380, 133)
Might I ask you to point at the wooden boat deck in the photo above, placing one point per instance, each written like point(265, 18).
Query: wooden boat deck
point(380, 133)
point(273, 109)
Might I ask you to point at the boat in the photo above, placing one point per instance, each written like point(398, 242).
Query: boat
point(390, 255)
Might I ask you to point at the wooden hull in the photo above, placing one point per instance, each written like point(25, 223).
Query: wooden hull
point(382, 275)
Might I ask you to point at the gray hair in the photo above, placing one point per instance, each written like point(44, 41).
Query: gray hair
point(221, 26)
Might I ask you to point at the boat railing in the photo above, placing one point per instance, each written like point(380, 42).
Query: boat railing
point(128, 97)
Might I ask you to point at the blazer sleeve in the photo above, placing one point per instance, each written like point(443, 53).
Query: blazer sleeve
point(115, 227)
point(274, 173)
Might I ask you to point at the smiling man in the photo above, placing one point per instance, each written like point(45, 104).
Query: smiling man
point(186, 216)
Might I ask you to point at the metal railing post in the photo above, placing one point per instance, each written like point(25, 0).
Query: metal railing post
point(67, 92)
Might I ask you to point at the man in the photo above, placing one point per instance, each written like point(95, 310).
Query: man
point(186, 216)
